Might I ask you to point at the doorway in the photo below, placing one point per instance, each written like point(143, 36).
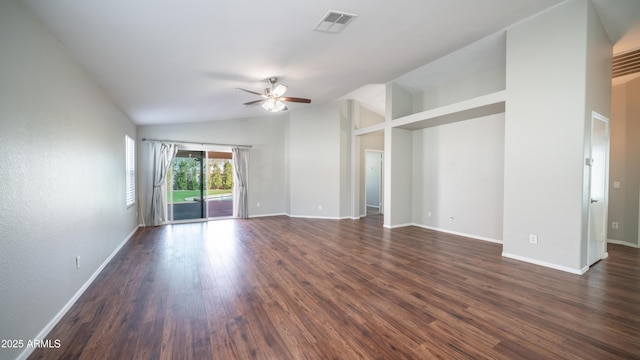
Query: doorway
point(220, 184)
point(186, 186)
point(199, 186)
point(373, 182)
point(598, 188)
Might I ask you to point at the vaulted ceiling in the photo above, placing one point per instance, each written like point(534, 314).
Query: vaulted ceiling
point(166, 61)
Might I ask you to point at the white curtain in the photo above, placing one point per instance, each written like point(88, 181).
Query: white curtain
point(241, 167)
point(160, 157)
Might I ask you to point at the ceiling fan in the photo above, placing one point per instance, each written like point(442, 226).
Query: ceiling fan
point(273, 99)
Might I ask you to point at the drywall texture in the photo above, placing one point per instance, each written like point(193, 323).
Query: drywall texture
point(347, 147)
point(315, 164)
point(598, 100)
point(625, 163)
point(298, 161)
point(265, 135)
point(458, 170)
point(474, 70)
point(62, 188)
point(367, 117)
point(398, 158)
point(545, 131)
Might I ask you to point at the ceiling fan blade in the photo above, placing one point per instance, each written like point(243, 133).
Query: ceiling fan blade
point(295, 99)
point(254, 102)
point(279, 90)
point(251, 92)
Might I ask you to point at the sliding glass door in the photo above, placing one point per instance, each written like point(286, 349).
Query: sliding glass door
point(186, 186)
point(199, 186)
point(220, 186)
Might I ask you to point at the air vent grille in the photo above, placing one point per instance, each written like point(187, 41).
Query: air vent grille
point(626, 63)
point(334, 21)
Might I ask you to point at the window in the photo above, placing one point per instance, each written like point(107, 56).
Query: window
point(131, 170)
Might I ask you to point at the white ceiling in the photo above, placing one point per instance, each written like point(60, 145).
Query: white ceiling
point(165, 61)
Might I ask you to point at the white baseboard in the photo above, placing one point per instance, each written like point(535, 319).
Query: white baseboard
point(397, 226)
point(43, 334)
point(618, 242)
point(547, 264)
point(483, 238)
point(319, 217)
point(267, 215)
point(306, 216)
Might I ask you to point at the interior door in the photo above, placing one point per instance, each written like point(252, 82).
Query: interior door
point(186, 195)
point(599, 174)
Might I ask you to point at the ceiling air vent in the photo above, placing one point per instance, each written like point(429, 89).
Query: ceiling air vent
point(334, 21)
point(626, 63)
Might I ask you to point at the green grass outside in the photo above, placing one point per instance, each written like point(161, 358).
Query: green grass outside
point(181, 195)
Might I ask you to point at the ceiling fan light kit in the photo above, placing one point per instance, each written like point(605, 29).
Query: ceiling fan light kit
point(273, 97)
point(273, 105)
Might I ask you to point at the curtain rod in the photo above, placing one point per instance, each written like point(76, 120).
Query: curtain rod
point(193, 142)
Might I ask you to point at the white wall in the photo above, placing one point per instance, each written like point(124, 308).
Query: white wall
point(346, 176)
point(398, 162)
point(299, 160)
point(62, 188)
point(597, 99)
point(545, 137)
point(417, 161)
point(401, 101)
point(483, 81)
point(633, 163)
point(474, 70)
point(267, 180)
point(315, 164)
point(625, 163)
point(367, 117)
point(458, 170)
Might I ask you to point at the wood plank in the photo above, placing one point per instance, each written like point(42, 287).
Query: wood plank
point(291, 288)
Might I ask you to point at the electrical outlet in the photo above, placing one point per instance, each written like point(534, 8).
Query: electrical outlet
point(258, 205)
point(320, 207)
point(533, 239)
point(614, 225)
point(77, 262)
point(429, 214)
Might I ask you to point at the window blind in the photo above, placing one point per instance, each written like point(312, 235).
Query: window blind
point(131, 170)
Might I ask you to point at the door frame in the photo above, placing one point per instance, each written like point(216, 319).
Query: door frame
point(601, 249)
point(217, 150)
point(203, 186)
point(380, 181)
point(206, 149)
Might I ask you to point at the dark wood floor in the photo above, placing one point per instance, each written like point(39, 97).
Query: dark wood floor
point(286, 288)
